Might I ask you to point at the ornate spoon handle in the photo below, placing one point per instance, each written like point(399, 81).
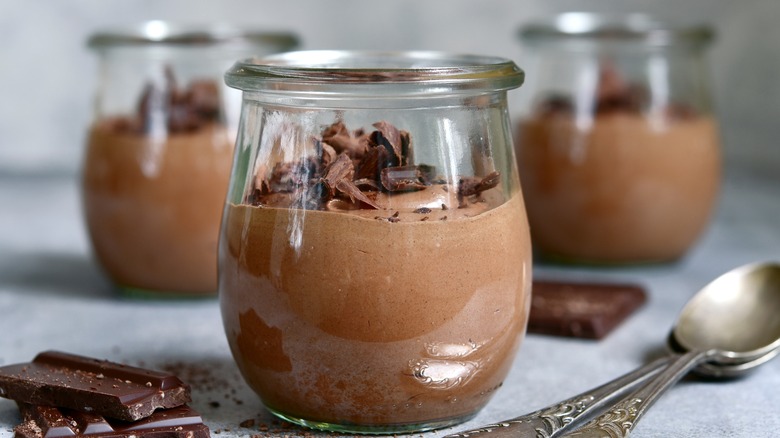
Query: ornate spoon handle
point(565, 415)
point(621, 418)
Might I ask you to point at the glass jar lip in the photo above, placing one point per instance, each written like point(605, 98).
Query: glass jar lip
point(636, 27)
point(364, 68)
point(165, 33)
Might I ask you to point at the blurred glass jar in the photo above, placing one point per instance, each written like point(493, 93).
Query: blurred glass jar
point(375, 254)
point(617, 144)
point(160, 150)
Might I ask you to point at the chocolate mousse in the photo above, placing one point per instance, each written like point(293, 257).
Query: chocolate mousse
point(154, 185)
point(360, 288)
point(623, 182)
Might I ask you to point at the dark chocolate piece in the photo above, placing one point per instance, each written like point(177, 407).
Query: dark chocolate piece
point(354, 167)
point(403, 178)
point(473, 186)
point(339, 175)
point(582, 310)
point(614, 94)
point(90, 385)
point(51, 422)
point(342, 140)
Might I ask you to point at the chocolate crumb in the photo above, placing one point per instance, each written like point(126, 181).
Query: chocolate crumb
point(393, 219)
point(422, 210)
point(247, 423)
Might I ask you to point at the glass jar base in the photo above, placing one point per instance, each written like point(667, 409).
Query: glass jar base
point(555, 258)
point(154, 294)
point(373, 429)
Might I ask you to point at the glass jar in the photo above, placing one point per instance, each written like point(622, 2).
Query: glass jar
point(617, 144)
point(159, 152)
point(375, 259)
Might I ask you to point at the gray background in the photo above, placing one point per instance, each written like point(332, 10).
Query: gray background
point(47, 76)
point(48, 280)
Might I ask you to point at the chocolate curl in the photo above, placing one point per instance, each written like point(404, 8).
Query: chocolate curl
point(342, 140)
point(404, 178)
point(473, 186)
point(338, 177)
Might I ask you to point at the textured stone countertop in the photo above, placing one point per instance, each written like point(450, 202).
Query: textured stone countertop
point(53, 296)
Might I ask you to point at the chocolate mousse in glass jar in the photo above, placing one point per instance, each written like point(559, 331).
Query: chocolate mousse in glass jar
point(617, 144)
point(375, 257)
point(159, 152)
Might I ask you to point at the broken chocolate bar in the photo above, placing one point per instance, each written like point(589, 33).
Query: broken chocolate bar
point(52, 422)
point(93, 386)
point(583, 310)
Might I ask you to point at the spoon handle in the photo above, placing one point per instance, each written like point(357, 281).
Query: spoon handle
point(567, 414)
point(622, 417)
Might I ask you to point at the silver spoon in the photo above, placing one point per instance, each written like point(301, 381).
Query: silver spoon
point(721, 370)
point(567, 415)
point(732, 323)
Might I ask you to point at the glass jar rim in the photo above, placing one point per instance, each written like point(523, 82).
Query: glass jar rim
point(165, 33)
point(428, 70)
point(639, 27)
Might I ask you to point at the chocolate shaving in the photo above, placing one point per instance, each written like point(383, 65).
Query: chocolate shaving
point(338, 176)
point(339, 170)
point(352, 167)
point(475, 186)
point(367, 184)
point(341, 140)
point(372, 163)
point(398, 142)
point(327, 153)
point(184, 110)
point(403, 179)
point(387, 147)
point(613, 94)
point(555, 104)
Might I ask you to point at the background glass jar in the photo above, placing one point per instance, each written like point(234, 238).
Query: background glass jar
point(375, 258)
point(617, 145)
point(159, 152)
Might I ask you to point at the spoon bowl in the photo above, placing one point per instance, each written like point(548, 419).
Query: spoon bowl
point(720, 369)
point(737, 315)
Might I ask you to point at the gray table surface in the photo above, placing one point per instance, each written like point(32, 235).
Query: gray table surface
point(53, 296)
